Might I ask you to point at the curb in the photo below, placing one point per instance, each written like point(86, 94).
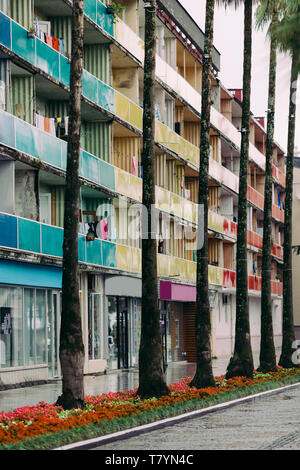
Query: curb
point(136, 431)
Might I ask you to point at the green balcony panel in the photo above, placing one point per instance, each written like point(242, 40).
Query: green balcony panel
point(93, 252)
point(7, 129)
point(52, 240)
point(47, 59)
point(109, 254)
point(21, 44)
point(5, 37)
point(29, 235)
point(106, 97)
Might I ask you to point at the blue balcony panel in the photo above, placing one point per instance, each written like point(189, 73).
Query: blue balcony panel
point(47, 59)
point(8, 231)
point(5, 36)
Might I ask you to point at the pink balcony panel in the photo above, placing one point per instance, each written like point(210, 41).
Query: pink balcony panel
point(255, 197)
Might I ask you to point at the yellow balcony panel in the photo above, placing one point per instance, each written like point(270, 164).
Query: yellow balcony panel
point(215, 275)
point(135, 115)
point(163, 265)
point(136, 260)
point(122, 106)
point(124, 258)
point(162, 199)
point(215, 222)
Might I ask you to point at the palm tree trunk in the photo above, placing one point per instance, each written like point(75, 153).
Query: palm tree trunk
point(267, 356)
point(151, 375)
point(241, 364)
point(288, 333)
point(204, 374)
point(71, 344)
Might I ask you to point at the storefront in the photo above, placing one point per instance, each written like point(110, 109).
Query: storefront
point(30, 306)
point(123, 304)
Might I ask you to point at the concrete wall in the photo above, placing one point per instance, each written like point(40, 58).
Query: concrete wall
point(26, 194)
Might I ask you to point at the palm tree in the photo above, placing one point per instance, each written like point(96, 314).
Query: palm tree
point(204, 374)
point(241, 363)
point(288, 38)
point(151, 375)
point(268, 12)
point(71, 350)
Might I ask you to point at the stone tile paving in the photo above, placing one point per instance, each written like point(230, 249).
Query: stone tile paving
point(267, 423)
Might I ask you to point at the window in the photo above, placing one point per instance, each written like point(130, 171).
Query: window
point(11, 344)
point(94, 326)
point(22, 326)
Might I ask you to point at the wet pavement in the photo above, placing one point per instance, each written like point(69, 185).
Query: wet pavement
point(98, 384)
point(271, 423)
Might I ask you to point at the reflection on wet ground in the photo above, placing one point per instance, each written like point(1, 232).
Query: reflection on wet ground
point(98, 384)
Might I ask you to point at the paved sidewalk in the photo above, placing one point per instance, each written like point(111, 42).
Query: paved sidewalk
point(95, 385)
point(269, 423)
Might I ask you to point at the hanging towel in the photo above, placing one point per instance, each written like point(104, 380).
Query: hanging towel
point(39, 121)
point(52, 127)
point(55, 44)
point(47, 124)
point(20, 111)
point(49, 40)
point(61, 45)
point(66, 124)
point(103, 227)
point(133, 165)
point(279, 202)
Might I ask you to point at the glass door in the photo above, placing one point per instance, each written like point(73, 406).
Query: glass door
point(53, 328)
point(122, 334)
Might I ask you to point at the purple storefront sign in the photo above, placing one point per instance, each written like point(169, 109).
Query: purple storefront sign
point(177, 292)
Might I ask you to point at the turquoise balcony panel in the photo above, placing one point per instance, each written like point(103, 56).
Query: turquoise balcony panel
point(90, 167)
point(106, 96)
point(47, 59)
point(93, 252)
point(27, 138)
point(90, 9)
point(64, 153)
point(104, 20)
point(21, 44)
point(48, 148)
point(52, 240)
point(89, 86)
point(107, 175)
point(29, 235)
point(5, 37)
point(8, 231)
point(7, 129)
point(65, 68)
point(81, 248)
point(109, 254)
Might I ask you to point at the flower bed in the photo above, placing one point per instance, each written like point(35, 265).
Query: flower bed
point(45, 419)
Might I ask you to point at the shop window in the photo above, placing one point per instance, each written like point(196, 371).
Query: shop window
point(94, 326)
point(11, 344)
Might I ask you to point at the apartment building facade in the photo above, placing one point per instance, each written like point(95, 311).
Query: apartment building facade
point(35, 47)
